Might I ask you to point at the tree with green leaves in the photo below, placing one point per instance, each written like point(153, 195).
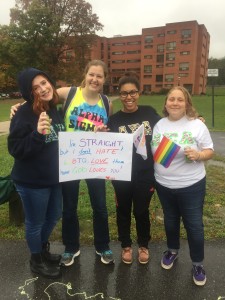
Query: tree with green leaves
point(41, 30)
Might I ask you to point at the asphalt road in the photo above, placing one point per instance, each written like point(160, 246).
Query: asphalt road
point(88, 278)
point(219, 142)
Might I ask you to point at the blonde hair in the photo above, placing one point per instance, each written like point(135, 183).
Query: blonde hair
point(94, 62)
point(191, 113)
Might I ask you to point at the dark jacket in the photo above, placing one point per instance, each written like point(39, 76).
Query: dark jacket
point(36, 155)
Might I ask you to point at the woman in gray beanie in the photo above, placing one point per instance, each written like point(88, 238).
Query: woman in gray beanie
point(33, 142)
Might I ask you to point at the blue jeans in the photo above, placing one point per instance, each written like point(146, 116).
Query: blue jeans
point(70, 222)
point(42, 208)
point(186, 203)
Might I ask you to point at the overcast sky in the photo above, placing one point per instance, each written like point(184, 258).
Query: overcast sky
point(128, 17)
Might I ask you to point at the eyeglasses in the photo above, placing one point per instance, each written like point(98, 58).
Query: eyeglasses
point(125, 94)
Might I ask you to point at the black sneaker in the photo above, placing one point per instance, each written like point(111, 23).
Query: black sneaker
point(168, 259)
point(106, 257)
point(199, 276)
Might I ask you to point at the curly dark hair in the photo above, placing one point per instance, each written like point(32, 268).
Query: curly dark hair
point(129, 77)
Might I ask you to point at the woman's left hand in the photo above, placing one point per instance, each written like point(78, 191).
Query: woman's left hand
point(101, 128)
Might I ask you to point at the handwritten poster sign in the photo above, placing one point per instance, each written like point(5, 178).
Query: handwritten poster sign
point(104, 155)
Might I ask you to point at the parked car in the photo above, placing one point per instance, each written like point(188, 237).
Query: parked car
point(15, 95)
point(4, 96)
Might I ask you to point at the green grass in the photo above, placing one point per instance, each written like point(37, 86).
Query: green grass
point(214, 214)
point(5, 106)
point(214, 209)
point(203, 105)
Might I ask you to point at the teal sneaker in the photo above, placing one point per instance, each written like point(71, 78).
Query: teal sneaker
point(106, 257)
point(68, 258)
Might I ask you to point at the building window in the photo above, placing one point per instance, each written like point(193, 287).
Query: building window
point(170, 56)
point(160, 48)
point(184, 66)
point(134, 69)
point(147, 56)
point(171, 32)
point(171, 46)
point(115, 80)
point(147, 69)
point(170, 64)
point(146, 88)
point(169, 77)
point(118, 70)
point(186, 33)
point(186, 42)
point(185, 53)
point(134, 43)
point(159, 78)
point(118, 53)
point(168, 86)
point(148, 46)
point(183, 75)
point(160, 34)
point(133, 52)
point(160, 58)
point(118, 44)
point(118, 61)
point(148, 39)
point(133, 60)
point(159, 66)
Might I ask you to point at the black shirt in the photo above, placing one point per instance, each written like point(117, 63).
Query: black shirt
point(128, 123)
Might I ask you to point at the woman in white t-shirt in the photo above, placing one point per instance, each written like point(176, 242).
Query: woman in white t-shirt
point(181, 185)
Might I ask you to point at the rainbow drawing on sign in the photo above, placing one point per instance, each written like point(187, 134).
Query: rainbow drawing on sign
point(166, 152)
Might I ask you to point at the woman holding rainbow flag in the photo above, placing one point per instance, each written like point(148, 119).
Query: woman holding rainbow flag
point(181, 143)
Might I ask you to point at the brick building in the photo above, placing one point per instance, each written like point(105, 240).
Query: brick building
point(174, 54)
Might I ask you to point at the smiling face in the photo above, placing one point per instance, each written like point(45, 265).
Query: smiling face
point(95, 79)
point(129, 96)
point(176, 105)
point(43, 88)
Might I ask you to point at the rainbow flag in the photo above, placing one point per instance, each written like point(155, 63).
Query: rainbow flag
point(166, 152)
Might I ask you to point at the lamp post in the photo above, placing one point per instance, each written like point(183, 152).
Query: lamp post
point(178, 80)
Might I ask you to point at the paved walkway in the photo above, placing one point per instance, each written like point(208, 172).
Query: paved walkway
point(88, 278)
point(4, 127)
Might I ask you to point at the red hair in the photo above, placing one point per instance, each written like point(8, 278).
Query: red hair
point(40, 106)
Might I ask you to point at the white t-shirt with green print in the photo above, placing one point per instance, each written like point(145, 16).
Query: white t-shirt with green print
point(185, 133)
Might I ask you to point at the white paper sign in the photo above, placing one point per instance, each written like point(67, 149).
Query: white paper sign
point(104, 155)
